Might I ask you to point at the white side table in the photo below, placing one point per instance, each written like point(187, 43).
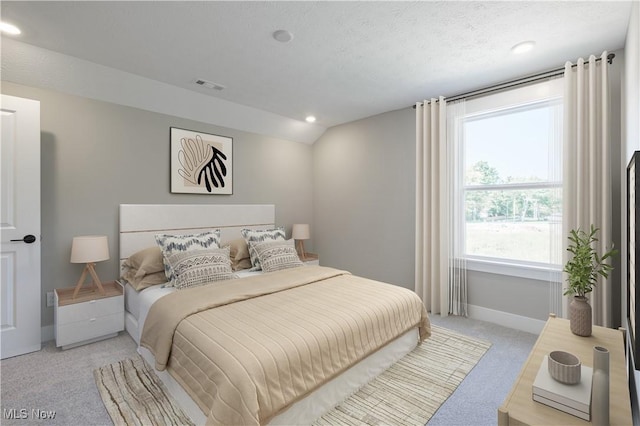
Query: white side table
point(89, 317)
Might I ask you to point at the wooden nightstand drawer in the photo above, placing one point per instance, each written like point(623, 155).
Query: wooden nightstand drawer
point(92, 309)
point(89, 329)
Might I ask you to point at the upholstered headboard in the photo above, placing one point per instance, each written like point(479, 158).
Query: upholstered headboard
point(140, 222)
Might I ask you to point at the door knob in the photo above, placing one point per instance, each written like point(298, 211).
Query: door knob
point(27, 239)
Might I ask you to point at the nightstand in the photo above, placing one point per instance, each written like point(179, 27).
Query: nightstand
point(89, 317)
point(311, 259)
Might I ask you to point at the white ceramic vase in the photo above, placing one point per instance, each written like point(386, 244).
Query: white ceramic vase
point(600, 387)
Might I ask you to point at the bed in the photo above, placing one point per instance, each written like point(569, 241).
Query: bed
point(259, 348)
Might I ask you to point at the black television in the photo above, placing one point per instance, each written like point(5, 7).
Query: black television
point(633, 280)
point(633, 283)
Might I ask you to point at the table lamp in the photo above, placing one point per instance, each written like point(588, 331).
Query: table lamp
point(89, 249)
point(300, 233)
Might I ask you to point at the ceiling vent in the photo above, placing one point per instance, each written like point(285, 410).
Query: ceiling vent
point(210, 84)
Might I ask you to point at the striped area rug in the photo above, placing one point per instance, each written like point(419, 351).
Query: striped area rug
point(134, 395)
point(413, 389)
point(408, 393)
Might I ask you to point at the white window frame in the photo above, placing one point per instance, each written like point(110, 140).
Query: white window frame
point(513, 99)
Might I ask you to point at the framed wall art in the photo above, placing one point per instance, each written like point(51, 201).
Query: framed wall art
point(201, 163)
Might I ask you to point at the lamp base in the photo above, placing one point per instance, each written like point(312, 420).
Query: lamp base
point(90, 269)
point(301, 252)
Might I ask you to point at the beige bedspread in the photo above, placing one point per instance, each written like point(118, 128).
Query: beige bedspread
point(247, 349)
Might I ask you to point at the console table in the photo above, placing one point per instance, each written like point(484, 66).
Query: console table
point(519, 408)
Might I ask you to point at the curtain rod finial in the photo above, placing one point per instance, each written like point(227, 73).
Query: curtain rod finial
point(610, 57)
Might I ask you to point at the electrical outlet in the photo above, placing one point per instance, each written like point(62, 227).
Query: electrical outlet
point(49, 299)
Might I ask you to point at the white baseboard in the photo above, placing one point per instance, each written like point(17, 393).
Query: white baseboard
point(47, 333)
point(530, 325)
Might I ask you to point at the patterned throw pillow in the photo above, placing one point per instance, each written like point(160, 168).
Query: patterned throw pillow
point(170, 244)
point(194, 268)
point(277, 255)
point(254, 236)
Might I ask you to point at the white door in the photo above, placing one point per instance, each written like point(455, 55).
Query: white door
point(20, 226)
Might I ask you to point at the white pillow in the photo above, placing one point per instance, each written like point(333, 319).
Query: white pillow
point(170, 244)
point(198, 267)
point(277, 255)
point(254, 236)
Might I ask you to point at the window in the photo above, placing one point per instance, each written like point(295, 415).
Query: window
point(513, 180)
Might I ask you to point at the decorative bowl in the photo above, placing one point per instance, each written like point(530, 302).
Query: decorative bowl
point(564, 367)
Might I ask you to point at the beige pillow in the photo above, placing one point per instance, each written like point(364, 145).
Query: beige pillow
point(142, 282)
point(239, 254)
point(145, 262)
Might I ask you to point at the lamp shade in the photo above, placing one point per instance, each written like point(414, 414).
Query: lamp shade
point(89, 249)
point(300, 231)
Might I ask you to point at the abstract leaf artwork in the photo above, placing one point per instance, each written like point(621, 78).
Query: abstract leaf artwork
point(201, 163)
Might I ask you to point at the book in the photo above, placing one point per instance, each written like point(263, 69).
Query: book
point(561, 407)
point(572, 399)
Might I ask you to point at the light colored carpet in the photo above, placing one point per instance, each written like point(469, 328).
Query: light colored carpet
point(408, 393)
point(478, 397)
point(63, 381)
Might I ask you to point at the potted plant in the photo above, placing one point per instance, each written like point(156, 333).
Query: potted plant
point(583, 270)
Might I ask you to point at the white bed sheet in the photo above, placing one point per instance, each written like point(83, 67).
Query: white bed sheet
point(132, 300)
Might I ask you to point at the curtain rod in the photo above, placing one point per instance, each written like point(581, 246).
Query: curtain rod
point(520, 81)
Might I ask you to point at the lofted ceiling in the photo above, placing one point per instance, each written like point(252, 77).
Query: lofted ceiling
point(346, 61)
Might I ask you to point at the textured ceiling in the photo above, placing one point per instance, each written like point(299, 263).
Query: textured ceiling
point(347, 60)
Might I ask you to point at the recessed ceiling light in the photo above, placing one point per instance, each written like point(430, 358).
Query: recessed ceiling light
point(310, 119)
point(283, 36)
point(8, 28)
point(523, 47)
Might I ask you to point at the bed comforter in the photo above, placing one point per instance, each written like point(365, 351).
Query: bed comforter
point(246, 349)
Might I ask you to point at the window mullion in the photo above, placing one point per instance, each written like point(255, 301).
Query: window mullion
point(513, 186)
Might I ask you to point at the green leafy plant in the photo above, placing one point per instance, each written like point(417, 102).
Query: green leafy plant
point(586, 264)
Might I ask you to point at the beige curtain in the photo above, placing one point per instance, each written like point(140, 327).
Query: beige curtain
point(587, 166)
point(440, 274)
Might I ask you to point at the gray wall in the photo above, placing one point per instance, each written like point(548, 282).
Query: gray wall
point(630, 124)
point(618, 284)
point(515, 295)
point(364, 197)
point(97, 155)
